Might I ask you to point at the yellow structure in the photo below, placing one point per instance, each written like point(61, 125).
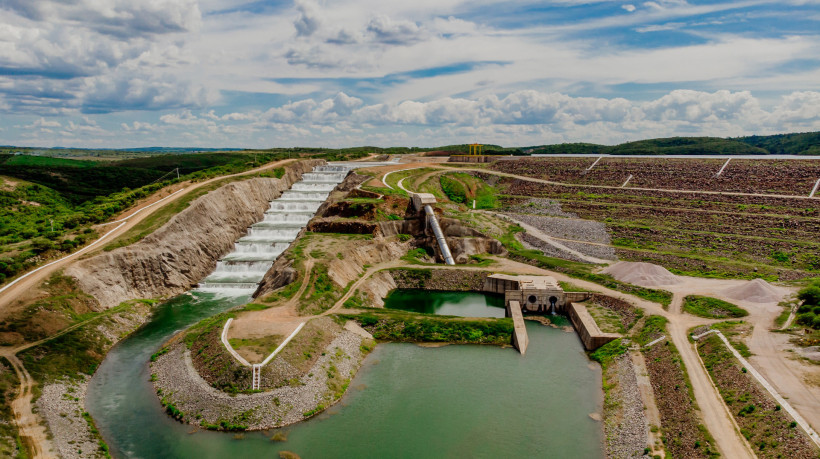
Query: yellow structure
point(476, 149)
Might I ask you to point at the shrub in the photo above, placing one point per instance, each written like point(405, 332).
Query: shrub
point(810, 294)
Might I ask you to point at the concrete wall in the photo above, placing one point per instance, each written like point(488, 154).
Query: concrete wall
point(587, 329)
point(542, 299)
point(520, 339)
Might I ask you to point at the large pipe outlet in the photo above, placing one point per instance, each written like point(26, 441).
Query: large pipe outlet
point(442, 243)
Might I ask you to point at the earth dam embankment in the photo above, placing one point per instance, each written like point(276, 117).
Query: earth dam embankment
point(175, 257)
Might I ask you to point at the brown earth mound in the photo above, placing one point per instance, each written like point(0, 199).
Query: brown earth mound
point(643, 274)
point(756, 291)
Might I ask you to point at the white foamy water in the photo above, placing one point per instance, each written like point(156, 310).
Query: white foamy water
point(240, 272)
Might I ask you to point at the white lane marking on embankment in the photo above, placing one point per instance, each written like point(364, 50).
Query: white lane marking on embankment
point(228, 345)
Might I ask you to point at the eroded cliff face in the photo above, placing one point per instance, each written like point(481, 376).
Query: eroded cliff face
point(183, 251)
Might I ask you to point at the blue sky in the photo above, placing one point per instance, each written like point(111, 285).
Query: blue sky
point(239, 73)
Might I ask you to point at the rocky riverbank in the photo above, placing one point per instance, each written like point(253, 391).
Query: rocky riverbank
point(62, 403)
point(191, 399)
point(624, 421)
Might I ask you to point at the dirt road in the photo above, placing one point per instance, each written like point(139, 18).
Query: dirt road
point(790, 377)
point(33, 279)
point(32, 433)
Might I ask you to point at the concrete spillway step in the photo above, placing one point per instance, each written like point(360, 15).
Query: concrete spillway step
point(335, 177)
point(259, 247)
point(262, 234)
point(236, 266)
point(291, 195)
point(331, 168)
point(241, 288)
point(269, 257)
point(276, 224)
point(321, 186)
point(240, 271)
point(235, 278)
point(294, 206)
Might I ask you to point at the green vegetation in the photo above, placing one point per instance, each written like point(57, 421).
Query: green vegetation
point(711, 308)
point(10, 443)
point(393, 325)
point(79, 351)
point(464, 188)
point(762, 422)
point(653, 327)
point(47, 205)
point(454, 189)
point(608, 351)
point(808, 313)
point(781, 144)
point(807, 143)
point(263, 346)
point(418, 256)
point(322, 293)
point(734, 331)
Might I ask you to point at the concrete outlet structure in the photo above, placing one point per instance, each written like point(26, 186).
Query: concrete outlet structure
point(542, 294)
point(533, 293)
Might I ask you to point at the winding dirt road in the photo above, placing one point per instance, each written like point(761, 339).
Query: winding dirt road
point(33, 279)
point(32, 433)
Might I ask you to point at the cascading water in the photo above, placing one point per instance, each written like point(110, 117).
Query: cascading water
point(240, 272)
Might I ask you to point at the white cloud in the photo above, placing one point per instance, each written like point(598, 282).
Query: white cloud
point(629, 7)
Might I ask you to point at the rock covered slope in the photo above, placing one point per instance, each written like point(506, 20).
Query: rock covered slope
point(180, 253)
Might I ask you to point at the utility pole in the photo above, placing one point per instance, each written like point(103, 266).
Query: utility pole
point(177, 173)
point(52, 225)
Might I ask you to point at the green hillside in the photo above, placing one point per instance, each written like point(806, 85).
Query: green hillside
point(806, 143)
point(781, 144)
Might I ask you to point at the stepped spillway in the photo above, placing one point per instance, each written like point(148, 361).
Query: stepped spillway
point(240, 272)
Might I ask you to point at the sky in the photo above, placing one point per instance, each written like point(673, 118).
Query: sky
point(338, 73)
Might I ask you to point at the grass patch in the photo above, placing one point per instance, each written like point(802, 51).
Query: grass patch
point(263, 346)
point(653, 328)
point(608, 351)
point(712, 308)
point(77, 352)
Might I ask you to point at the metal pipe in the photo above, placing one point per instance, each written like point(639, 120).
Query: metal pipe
point(442, 243)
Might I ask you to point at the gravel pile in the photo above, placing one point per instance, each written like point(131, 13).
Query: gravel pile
point(573, 232)
point(756, 291)
point(540, 206)
point(61, 405)
point(643, 274)
point(178, 383)
point(574, 229)
point(625, 425)
point(532, 242)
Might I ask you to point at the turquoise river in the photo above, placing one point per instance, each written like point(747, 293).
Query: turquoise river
point(407, 401)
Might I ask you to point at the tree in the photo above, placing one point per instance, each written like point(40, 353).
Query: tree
point(811, 293)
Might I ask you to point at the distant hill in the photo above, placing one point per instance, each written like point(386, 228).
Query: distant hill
point(78, 180)
point(806, 143)
point(781, 144)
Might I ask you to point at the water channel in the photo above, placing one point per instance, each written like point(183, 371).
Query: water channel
point(406, 401)
point(465, 304)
